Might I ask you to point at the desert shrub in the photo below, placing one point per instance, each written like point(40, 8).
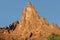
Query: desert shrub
point(13, 38)
point(54, 36)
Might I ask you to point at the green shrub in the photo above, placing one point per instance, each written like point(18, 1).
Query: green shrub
point(54, 36)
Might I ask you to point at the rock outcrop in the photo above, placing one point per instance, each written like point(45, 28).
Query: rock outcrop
point(31, 26)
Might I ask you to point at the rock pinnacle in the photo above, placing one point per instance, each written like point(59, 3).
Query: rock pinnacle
point(29, 12)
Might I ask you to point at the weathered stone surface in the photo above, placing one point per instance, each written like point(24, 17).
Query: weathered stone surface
point(30, 27)
point(13, 25)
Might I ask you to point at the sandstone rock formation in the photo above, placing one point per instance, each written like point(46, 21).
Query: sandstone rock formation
point(31, 26)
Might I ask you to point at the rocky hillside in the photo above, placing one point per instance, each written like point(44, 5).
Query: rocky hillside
point(30, 27)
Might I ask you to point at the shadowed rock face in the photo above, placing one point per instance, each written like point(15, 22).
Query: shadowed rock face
point(31, 26)
point(13, 25)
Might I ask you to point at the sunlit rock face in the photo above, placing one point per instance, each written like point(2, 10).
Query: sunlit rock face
point(32, 23)
point(31, 26)
point(28, 12)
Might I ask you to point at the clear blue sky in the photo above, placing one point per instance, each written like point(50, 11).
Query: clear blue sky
point(10, 10)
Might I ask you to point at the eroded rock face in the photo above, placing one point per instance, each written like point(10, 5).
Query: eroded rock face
point(13, 25)
point(5, 32)
point(31, 22)
point(31, 26)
